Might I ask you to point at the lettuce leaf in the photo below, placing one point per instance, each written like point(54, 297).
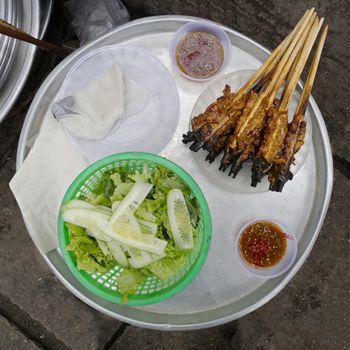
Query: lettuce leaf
point(167, 267)
point(121, 191)
point(129, 281)
point(88, 254)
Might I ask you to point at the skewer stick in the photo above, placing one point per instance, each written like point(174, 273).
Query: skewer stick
point(287, 60)
point(312, 73)
point(274, 57)
point(283, 67)
point(269, 70)
point(299, 64)
point(14, 32)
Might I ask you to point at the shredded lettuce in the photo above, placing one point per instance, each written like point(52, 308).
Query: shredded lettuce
point(129, 281)
point(121, 191)
point(114, 186)
point(88, 254)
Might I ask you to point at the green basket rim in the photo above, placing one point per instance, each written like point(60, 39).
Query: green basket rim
point(139, 299)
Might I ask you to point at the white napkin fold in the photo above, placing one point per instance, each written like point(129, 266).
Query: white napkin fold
point(40, 184)
point(92, 111)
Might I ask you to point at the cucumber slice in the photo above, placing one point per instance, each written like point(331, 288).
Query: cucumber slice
point(98, 235)
point(132, 200)
point(148, 227)
point(118, 253)
point(179, 219)
point(133, 239)
point(115, 205)
point(79, 204)
point(140, 258)
point(83, 217)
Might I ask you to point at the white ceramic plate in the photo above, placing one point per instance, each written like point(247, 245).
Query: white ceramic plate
point(242, 181)
point(151, 106)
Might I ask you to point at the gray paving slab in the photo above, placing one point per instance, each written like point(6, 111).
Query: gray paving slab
point(28, 283)
point(135, 338)
point(13, 339)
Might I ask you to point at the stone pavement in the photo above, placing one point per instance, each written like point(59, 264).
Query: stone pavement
point(312, 312)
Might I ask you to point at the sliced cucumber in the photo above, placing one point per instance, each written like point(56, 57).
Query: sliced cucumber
point(79, 204)
point(84, 217)
point(140, 258)
point(148, 227)
point(98, 234)
point(106, 209)
point(134, 239)
point(179, 219)
point(115, 205)
point(118, 253)
point(132, 200)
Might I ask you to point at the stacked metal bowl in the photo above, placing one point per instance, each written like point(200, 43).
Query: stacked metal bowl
point(16, 57)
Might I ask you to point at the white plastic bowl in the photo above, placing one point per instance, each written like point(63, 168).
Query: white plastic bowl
point(285, 263)
point(201, 26)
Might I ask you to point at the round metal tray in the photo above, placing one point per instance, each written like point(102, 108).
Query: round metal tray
point(303, 204)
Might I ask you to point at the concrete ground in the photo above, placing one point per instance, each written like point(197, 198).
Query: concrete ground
point(312, 312)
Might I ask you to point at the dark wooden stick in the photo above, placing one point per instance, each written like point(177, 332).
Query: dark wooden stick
point(14, 32)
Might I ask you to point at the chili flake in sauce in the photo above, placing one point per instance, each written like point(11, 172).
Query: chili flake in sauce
point(263, 244)
point(199, 54)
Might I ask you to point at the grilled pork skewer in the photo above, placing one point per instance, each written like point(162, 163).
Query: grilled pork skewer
point(277, 120)
point(281, 173)
point(247, 134)
point(201, 135)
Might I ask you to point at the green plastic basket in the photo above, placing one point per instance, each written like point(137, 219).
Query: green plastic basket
point(153, 290)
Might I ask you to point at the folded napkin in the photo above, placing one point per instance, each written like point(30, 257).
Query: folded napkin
point(40, 184)
point(92, 112)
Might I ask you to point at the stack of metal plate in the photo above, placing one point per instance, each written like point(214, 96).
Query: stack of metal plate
point(16, 57)
point(9, 12)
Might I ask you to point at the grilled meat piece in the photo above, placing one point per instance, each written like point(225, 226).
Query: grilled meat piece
point(272, 144)
point(294, 139)
point(246, 138)
point(215, 122)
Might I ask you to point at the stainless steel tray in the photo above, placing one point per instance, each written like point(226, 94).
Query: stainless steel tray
point(303, 204)
point(28, 12)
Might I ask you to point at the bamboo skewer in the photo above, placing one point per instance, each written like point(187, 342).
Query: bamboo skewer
point(274, 57)
point(277, 125)
point(299, 64)
point(287, 61)
point(312, 74)
point(282, 68)
point(14, 32)
point(296, 130)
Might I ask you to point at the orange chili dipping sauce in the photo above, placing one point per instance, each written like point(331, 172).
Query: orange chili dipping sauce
point(262, 244)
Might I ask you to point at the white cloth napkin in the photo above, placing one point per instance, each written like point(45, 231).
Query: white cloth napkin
point(40, 184)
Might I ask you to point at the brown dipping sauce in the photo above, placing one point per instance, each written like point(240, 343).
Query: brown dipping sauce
point(262, 244)
point(199, 54)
